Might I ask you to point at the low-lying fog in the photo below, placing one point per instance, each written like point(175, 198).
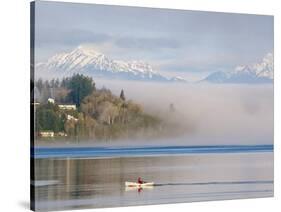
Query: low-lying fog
point(213, 114)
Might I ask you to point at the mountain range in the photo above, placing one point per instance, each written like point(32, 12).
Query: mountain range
point(90, 62)
point(256, 73)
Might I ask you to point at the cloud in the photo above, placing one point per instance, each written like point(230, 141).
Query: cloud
point(147, 43)
point(75, 37)
point(69, 37)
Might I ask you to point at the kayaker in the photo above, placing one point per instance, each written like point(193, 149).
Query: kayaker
point(140, 181)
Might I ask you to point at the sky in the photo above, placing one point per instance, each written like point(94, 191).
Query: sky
point(191, 43)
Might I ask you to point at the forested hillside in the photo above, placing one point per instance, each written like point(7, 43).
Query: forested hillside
point(99, 114)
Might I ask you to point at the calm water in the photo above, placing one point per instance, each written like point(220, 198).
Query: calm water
point(69, 181)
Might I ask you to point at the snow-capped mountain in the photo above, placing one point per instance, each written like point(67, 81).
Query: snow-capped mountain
point(256, 73)
point(90, 62)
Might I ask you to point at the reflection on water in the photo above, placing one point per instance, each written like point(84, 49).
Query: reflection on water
point(100, 182)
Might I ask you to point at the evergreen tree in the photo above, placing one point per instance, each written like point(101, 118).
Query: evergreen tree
point(122, 95)
point(80, 86)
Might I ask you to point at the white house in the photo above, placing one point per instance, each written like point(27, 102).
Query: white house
point(46, 134)
point(62, 134)
point(69, 117)
point(67, 107)
point(51, 100)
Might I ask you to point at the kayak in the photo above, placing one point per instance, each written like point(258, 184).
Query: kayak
point(134, 188)
point(139, 185)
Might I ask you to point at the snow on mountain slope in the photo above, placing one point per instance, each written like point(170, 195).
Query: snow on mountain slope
point(90, 62)
point(257, 73)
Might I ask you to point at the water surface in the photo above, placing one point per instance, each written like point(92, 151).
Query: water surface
point(66, 181)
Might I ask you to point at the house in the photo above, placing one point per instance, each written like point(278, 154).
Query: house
point(46, 134)
point(67, 107)
point(51, 100)
point(69, 117)
point(62, 134)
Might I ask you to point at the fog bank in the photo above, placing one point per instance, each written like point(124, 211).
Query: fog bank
point(212, 114)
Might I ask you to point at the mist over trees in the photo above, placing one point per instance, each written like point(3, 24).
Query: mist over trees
point(100, 115)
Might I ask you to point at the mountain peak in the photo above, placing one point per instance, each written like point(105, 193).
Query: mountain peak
point(87, 50)
point(268, 58)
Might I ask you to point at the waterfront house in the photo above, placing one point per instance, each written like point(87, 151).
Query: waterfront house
point(46, 134)
point(67, 107)
point(62, 134)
